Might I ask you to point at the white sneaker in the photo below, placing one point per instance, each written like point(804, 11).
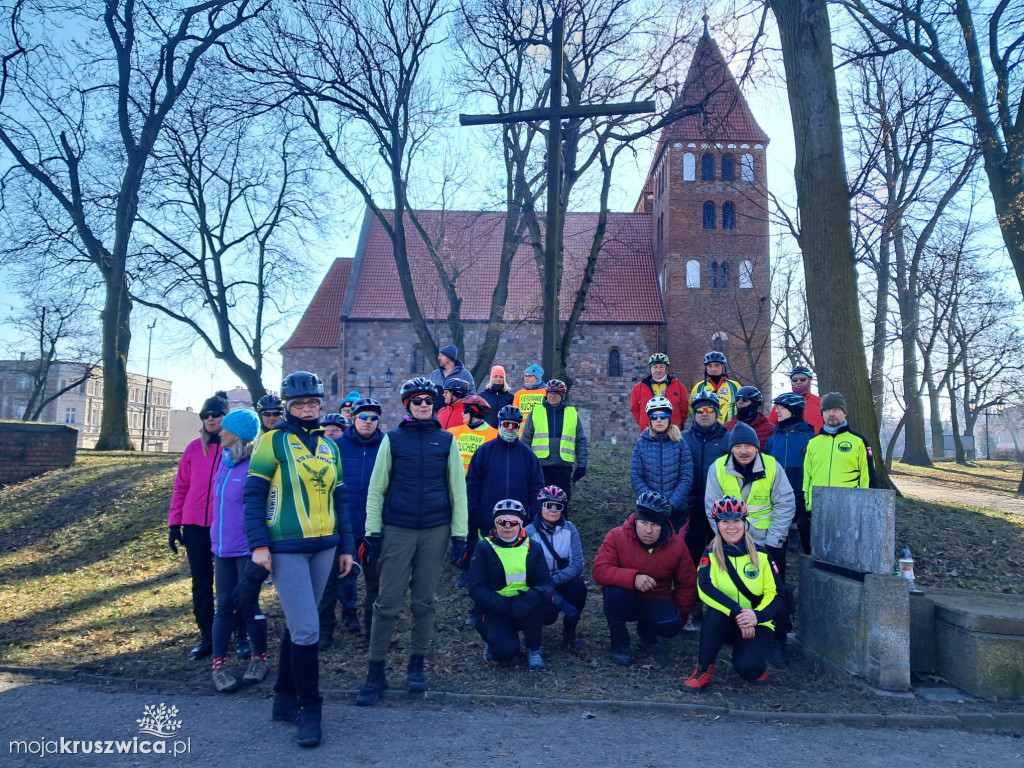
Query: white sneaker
point(689, 626)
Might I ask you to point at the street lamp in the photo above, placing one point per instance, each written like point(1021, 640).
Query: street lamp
point(388, 378)
point(149, 381)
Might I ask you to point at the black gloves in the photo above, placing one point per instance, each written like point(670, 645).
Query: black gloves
point(459, 550)
point(369, 551)
point(524, 604)
point(572, 613)
point(174, 538)
point(579, 473)
point(246, 594)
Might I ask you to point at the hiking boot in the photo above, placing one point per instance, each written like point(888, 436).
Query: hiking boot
point(463, 581)
point(763, 679)
point(700, 678)
point(205, 648)
point(536, 661)
point(255, 672)
point(286, 706)
point(224, 681)
point(487, 653)
point(417, 681)
point(779, 657)
point(350, 620)
point(570, 640)
point(649, 644)
point(309, 724)
point(242, 648)
point(620, 644)
point(376, 683)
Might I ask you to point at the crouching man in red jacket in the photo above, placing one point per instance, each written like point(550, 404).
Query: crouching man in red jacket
point(648, 577)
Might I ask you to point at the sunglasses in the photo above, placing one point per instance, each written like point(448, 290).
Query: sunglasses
point(422, 401)
point(553, 505)
point(273, 413)
point(210, 415)
point(367, 416)
point(705, 411)
point(506, 523)
point(659, 416)
point(510, 425)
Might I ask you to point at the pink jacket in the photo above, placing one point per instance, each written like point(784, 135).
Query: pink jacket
point(192, 500)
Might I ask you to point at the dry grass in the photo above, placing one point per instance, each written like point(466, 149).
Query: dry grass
point(994, 476)
point(87, 583)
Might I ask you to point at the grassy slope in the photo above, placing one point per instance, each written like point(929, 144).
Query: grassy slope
point(86, 582)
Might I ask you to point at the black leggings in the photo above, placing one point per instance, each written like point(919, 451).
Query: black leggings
point(749, 657)
point(501, 633)
point(200, 565)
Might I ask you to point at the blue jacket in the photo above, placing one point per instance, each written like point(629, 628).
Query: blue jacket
point(357, 458)
point(502, 470)
point(567, 545)
point(227, 534)
point(787, 444)
point(497, 401)
point(662, 465)
point(705, 448)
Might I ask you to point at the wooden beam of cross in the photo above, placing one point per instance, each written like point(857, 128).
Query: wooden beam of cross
point(554, 114)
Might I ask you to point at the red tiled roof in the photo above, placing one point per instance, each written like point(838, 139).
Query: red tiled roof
point(320, 326)
point(624, 288)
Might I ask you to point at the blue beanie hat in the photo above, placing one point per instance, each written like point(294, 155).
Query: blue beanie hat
point(743, 434)
point(450, 351)
point(535, 370)
point(243, 423)
point(351, 397)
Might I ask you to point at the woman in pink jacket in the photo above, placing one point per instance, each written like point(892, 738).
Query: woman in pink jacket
point(191, 515)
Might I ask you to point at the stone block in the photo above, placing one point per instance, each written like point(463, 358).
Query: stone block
point(922, 634)
point(855, 528)
point(886, 611)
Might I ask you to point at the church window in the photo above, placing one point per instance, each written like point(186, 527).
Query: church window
point(689, 166)
point(693, 274)
point(746, 274)
point(729, 215)
point(419, 361)
point(747, 169)
point(334, 384)
point(614, 363)
point(719, 274)
point(728, 168)
point(709, 215)
point(707, 167)
point(661, 229)
point(719, 342)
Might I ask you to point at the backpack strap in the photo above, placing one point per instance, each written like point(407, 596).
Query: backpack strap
point(755, 600)
point(561, 562)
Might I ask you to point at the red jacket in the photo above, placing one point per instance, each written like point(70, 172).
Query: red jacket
point(192, 499)
point(761, 425)
point(675, 392)
point(622, 556)
point(451, 415)
point(812, 414)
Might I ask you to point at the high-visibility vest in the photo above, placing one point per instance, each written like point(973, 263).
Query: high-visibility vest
point(759, 493)
point(470, 438)
point(528, 399)
point(513, 560)
point(567, 440)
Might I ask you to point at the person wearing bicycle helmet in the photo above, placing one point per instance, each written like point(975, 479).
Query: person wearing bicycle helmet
point(474, 431)
point(708, 440)
point(801, 377)
point(787, 444)
point(648, 577)
point(416, 503)
point(748, 410)
point(661, 461)
point(736, 582)
point(334, 425)
point(270, 410)
point(510, 586)
point(660, 383)
point(450, 413)
point(716, 380)
point(563, 551)
point(554, 432)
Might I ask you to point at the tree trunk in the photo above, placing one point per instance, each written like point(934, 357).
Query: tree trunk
point(915, 450)
point(1020, 488)
point(117, 336)
point(823, 197)
point(878, 339)
point(892, 441)
point(934, 414)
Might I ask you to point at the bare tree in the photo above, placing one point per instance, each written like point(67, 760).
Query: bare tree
point(84, 96)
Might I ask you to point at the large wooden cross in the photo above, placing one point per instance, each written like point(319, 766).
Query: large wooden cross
point(554, 114)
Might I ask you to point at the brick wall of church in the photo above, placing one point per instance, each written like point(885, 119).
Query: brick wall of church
point(372, 347)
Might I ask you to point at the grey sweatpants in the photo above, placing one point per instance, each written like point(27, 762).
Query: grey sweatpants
point(300, 578)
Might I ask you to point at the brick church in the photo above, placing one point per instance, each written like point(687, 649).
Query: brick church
point(685, 272)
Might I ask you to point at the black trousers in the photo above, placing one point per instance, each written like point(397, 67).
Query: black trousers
point(698, 533)
point(783, 624)
point(200, 565)
point(749, 657)
point(575, 593)
point(501, 633)
point(559, 475)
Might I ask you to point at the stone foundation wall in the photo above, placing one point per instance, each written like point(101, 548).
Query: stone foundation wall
point(29, 448)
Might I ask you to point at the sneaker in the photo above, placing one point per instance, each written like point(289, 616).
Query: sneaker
point(763, 679)
point(571, 641)
point(223, 681)
point(621, 657)
point(351, 621)
point(536, 661)
point(255, 672)
point(487, 653)
point(701, 678)
point(463, 581)
point(689, 626)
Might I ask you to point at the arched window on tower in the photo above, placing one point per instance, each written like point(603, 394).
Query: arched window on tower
point(707, 167)
point(714, 274)
point(334, 384)
point(746, 274)
point(723, 275)
point(689, 166)
point(614, 362)
point(693, 274)
point(728, 168)
point(747, 167)
point(709, 215)
point(419, 361)
point(720, 343)
point(729, 215)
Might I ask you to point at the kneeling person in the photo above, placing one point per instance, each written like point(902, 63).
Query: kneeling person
point(737, 583)
point(510, 585)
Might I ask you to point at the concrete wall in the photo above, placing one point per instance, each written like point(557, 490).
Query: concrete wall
point(30, 448)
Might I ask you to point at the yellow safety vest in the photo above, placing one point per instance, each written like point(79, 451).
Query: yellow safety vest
point(470, 438)
point(567, 440)
point(513, 560)
point(759, 493)
point(758, 579)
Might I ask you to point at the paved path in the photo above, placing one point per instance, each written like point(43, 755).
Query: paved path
point(946, 494)
point(236, 732)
